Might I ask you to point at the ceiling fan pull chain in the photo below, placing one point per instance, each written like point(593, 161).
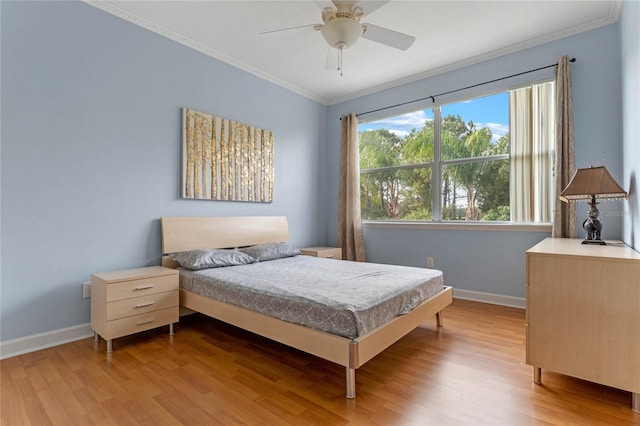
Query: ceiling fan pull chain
point(340, 61)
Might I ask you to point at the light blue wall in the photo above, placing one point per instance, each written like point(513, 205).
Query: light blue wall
point(493, 262)
point(630, 47)
point(471, 260)
point(91, 152)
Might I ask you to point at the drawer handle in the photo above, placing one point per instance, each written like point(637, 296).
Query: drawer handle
point(142, 305)
point(330, 256)
point(144, 287)
point(145, 322)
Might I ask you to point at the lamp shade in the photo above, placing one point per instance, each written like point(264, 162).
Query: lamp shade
point(592, 182)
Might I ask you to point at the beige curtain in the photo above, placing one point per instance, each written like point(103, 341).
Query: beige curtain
point(349, 220)
point(564, 217)
point(532, 127)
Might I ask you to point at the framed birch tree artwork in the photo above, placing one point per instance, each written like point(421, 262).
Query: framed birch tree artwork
point(225, 160)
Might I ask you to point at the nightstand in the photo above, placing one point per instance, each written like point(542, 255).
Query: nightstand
point(133, 300)
point(326, 252)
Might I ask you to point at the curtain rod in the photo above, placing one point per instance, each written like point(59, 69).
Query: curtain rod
point(433, 97)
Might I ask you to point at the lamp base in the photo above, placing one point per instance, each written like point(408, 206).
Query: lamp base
point(592, 225)
point(597, 242)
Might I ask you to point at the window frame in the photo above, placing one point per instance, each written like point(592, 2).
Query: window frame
point(436, 221)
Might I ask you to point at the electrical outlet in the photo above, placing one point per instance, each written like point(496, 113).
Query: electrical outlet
point(86, 290)
point(429, 262)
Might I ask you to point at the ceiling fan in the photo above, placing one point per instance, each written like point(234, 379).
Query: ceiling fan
point(341, 27)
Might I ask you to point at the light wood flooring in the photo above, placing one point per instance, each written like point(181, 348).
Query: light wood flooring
point(470, 372)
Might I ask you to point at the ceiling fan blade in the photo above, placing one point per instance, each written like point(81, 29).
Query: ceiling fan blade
point(370, 6)
point(287, 29)
point(388, 37)
point(367, 6)
point(331, 63)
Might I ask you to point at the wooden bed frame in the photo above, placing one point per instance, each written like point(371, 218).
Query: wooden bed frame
point(192, 233)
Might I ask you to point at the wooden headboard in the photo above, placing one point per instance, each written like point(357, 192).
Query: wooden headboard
point(193, 233)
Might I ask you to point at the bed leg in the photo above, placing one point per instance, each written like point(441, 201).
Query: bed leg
point(351, 382)
point(439, 318)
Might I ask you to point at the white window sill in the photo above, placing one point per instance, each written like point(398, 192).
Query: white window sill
point(459, 226)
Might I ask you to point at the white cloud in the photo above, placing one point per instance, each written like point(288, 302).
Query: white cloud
point(400, 125)
point(399, 133)
point(497, 130)
point(403, 124)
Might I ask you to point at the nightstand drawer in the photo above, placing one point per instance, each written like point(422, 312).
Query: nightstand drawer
point(326, 252)
point(141, 305)
point(141, 287)
point(125, 326)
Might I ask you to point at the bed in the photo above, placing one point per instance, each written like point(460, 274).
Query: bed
point(350, 348)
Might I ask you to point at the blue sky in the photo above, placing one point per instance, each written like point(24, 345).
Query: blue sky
point(489, 111)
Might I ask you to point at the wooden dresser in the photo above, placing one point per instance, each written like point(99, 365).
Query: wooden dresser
point(583, 312)
point(128, 301)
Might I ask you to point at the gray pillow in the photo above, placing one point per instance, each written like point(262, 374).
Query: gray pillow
point(204, 259)
point(270, 251)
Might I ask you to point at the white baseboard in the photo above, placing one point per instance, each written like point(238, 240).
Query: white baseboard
point(39, 341)
point(49, 339)
point(494, 299)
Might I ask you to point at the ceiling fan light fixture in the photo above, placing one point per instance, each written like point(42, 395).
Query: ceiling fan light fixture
point(341, 33)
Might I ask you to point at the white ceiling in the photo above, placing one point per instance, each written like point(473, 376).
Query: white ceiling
point(449, 34)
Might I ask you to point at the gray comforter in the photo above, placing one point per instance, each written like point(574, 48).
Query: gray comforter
point(340, 297)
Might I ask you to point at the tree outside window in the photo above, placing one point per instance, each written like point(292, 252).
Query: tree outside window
point(467, 150)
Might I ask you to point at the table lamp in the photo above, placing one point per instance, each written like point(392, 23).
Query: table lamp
point(591, 184)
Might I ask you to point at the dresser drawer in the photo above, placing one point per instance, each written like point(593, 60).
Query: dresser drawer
point(141, 305)
point(134, 324)
point(325, 252)
point(141, 287)
point(331, 254)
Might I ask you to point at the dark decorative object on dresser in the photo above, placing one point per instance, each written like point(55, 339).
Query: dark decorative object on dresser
point(591, 184)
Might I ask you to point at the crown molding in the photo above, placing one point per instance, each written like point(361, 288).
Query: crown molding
point(113, 9)
point(109, 7)
point(613, 17)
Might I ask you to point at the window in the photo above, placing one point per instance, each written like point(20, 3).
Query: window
point(483, 159)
